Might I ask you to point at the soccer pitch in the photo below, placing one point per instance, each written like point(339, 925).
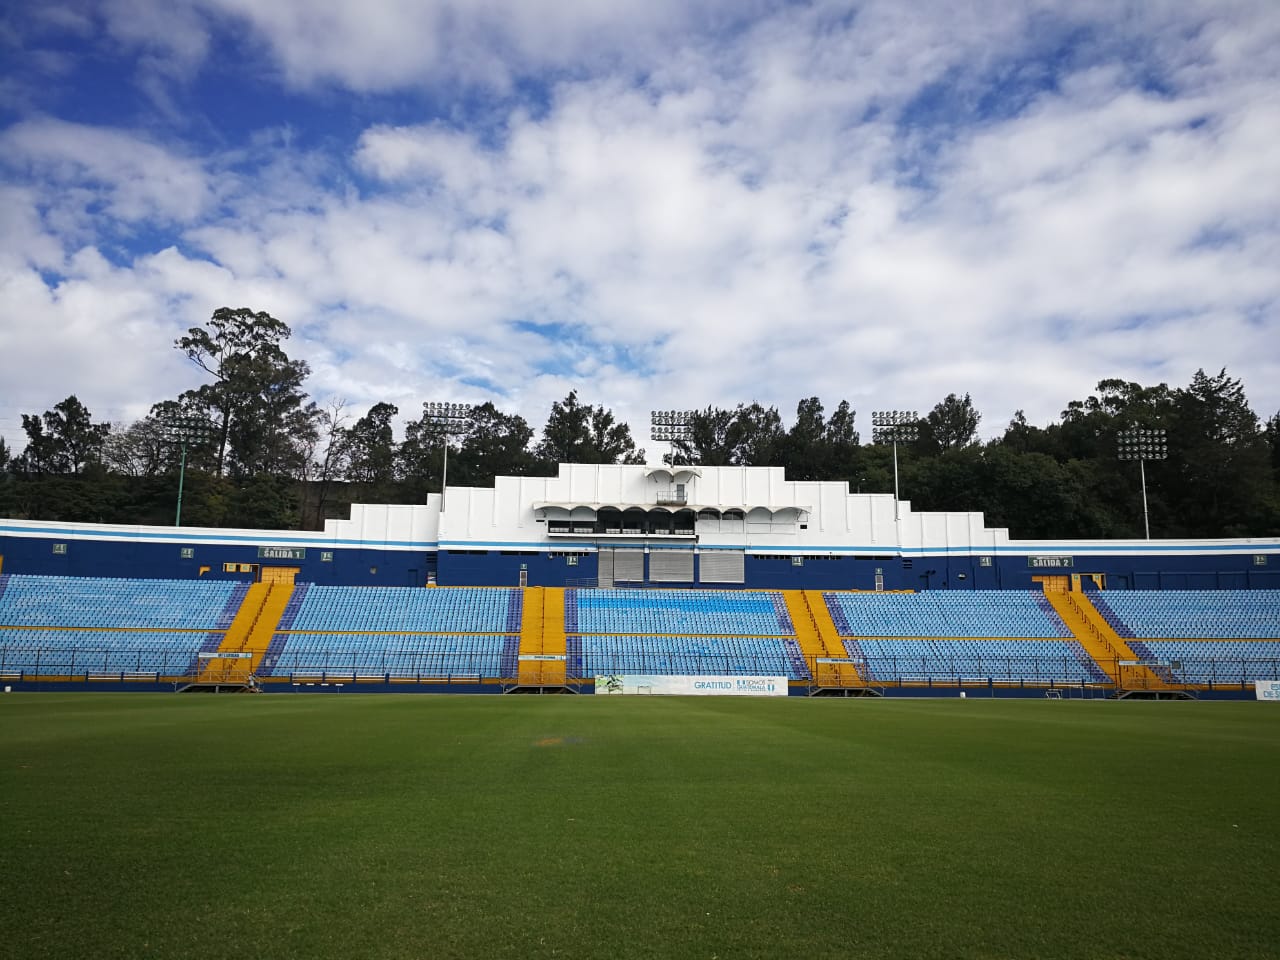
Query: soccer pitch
point(418, 826)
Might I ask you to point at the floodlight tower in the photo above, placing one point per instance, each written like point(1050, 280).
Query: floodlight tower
point(1143, 444)
point(671, 425)
point(184, 430)
point(892, 426)
point(451, 419)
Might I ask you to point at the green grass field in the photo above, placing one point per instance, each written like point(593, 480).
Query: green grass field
point(402, 826)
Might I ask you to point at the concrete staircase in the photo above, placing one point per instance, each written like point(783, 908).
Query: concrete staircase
point(542, 635)
point(250, 632)
point(1100, 640)
point(819, 639)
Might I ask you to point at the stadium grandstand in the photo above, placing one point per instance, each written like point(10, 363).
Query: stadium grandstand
point(550, 584)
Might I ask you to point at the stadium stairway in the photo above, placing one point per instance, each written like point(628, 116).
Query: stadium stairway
point(818, 637)
point(250, 632)
point(530, 671)
point(542, 635)
point(1107, 648)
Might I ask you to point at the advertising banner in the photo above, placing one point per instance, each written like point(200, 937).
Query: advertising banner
point(674, 685)
point(1267, 690)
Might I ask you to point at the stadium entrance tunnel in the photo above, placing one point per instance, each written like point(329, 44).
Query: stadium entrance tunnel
point(220, 686)
point(540, 689)
point(1157, 694)
point(860, 691)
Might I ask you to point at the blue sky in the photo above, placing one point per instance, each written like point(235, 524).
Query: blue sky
point(660, 204)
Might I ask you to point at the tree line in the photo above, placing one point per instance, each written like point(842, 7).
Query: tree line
point(272, 458)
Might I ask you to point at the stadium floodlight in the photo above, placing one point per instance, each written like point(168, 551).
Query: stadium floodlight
point(184, 430)
point(671, 425)
point(1143, 444)
point(894, 426)
point(451, 419)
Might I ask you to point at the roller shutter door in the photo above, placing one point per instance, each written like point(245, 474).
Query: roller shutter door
point(628, 566)
point(671, 566)
point(723, 566)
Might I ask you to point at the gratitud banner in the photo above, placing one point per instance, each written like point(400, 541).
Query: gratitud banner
point(691, 686)
point(1267, 690)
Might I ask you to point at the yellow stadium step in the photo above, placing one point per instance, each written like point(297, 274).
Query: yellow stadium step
point(530, 671)
point(1101, 642)
point(554, 642)
point(819, 640)
point(542, 635)
point(268, 621)
point(250, 632)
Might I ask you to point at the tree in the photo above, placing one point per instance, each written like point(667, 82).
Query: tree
point(820, 449)
point(422, 454)
point(841, 432)
point(710, 441)
point(805, 449)
point(66, 440)
point(757, 436)
point(1222, 482)
point(326, 459)
point(4, 455)
point(495, 444)
point(745, 436)
point(256, 397)
point(583, 433)
point(1089, 426)
point(38, 454)
point(1021, 437)
point(951, 424)
point(371, 446)
point(138, 450)
point(1272, 435)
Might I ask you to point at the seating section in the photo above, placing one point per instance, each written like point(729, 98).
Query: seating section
point(712, 612)
point(1212, 661)
point(920, 660)
point(398, 633)
point(675, 631)
point(968, 613)
point(87, 651)
point(86, 626)
point(410, 609)
point(1199, 636)
point(1192, 614)
point(688, 655)
point(32, 601)
point(402, 656)
point(1000, 635)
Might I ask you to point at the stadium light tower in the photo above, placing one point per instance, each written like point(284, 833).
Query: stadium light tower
point(1143, 444)
point(184, 430)
point(892, 426)
point(451, 419)
point(671, 425)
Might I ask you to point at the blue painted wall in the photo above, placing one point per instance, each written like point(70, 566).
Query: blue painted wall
point(108, 558)
point(368, 566)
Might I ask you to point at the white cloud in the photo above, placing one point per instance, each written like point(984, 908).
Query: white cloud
point(131, 179)
point(752, 222)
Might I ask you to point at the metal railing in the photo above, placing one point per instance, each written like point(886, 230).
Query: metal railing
point(93, 662)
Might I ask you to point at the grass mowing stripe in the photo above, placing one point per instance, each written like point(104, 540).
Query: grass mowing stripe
point(408, 826)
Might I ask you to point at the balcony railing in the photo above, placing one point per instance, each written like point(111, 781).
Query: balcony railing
point(564, 530)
